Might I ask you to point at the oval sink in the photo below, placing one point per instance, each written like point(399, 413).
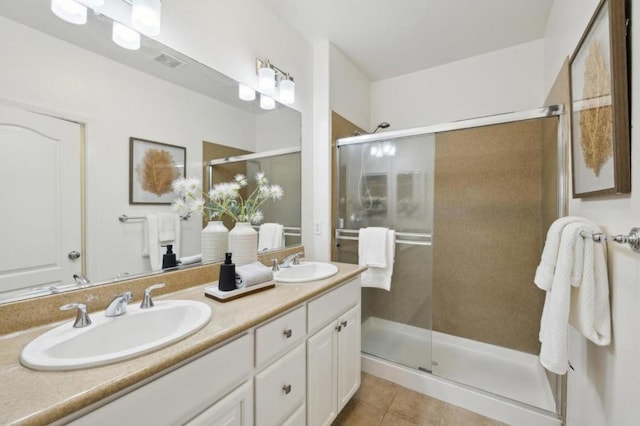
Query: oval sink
point(111, 339)
point(305, 271)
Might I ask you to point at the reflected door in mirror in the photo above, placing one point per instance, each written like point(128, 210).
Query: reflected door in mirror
point(41, 199)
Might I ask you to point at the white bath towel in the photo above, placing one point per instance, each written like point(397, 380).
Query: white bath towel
point(270, 236)
point(547, 266)
point(189, 260)
point(580, 290)
point(152, 245)
point(378, 277)
point(371, 247)
point(252, 274)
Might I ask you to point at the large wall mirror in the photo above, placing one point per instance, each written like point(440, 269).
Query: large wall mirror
point(70, 100)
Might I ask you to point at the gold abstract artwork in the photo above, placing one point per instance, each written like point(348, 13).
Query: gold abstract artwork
point(596, 122)
point(156, 171)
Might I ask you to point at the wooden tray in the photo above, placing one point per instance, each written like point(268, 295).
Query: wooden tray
point(224, 296)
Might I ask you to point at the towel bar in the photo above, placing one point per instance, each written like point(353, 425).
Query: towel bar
point(633, 239)
point(124, 218)
point(412, 238)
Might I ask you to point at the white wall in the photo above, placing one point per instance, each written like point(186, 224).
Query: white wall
point(350, 89)
point(603, 389)
point(502, 81)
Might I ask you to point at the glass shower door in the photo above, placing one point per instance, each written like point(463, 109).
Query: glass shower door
point(390, 184)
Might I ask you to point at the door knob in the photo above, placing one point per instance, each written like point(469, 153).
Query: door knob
point(73, 255)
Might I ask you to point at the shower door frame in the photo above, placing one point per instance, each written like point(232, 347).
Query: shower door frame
point(563, 167)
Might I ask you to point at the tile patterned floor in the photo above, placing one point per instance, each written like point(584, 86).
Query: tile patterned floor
point(379, 402)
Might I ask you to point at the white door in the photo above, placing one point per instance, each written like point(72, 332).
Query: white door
point(40, 189)
point(322, 407)
point(348, 356)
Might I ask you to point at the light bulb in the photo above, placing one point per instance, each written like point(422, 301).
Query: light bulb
point(266, 102)
point(287, 91)
point(145, 16)
point(246, 93)
point(267, 80)
point(70, 11)
point(125, 37)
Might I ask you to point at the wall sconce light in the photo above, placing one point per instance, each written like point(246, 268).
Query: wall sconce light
point(269, 76)
point(266, 102)
point(145, 18)
point(70, 11)
point(125, 37)
point(246, 93)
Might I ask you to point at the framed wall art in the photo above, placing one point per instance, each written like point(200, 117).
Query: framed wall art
point(600, 134)
point(153, 166)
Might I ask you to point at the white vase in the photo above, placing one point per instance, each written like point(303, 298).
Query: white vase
point(243, 243)
point(214, 241)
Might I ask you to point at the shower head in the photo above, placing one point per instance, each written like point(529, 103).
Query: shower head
point(382, 125)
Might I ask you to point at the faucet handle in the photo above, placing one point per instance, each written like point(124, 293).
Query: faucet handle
point(147, 302)
point(82, 318)
point(274, 265)
point(296, 259)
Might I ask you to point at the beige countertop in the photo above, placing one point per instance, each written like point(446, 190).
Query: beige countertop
point(41, 397)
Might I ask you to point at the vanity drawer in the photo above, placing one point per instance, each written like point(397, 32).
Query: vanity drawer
point(281, 388)
point(280, 334)
point(328, 307)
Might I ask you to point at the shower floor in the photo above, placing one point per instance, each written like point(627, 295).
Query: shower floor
point(505, 372)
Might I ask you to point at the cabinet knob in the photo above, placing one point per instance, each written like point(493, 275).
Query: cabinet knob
point(287, 333)
point(286, 389)
point(339, 328)
point(343, 324)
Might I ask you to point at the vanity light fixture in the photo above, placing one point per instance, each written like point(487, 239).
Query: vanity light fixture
point(246, 93)
point(70, 11)
point(270, 76)
point(266, 102)
point(125, 37)
point(145, 16)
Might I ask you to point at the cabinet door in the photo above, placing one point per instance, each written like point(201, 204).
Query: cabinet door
point(235, 409)
point(322, 405)
point(348, 355)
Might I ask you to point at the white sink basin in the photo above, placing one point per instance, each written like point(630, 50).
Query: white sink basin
point(111, 339)
point(305, 271)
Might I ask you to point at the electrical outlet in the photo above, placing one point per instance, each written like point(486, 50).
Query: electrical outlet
point(317, 227)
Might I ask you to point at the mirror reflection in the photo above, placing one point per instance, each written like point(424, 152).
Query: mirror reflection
point(70, 100)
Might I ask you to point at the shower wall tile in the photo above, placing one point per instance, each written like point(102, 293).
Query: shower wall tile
point(487, 234)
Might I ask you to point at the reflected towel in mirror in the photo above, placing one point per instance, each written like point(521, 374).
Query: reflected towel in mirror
point(270, 236)
point(152, 247)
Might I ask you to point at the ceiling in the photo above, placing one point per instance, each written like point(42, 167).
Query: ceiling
point(387, 38)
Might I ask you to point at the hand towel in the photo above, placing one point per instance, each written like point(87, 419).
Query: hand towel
point(371, 247)
point(152, 246)
point(252, 274)
point(375, 276)
point(579, 289)
point(167, 225)
point(270, 236)
point(188, 260)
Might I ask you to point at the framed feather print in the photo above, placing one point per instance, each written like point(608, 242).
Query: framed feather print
point(153, 166)
point(600, 131)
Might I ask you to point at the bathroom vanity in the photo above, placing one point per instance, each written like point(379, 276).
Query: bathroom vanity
point(289, 355)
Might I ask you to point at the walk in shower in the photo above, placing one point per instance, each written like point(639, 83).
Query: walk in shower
point(470, 203)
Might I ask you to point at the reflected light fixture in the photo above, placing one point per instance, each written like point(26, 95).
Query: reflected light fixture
point(269, 76)
point(145, 16)
point(70, 11)
point(266, 102)
point(246, 93)
point(383, 149)
point(125, 37)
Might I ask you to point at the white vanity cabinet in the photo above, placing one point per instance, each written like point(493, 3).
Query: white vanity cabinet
point(333, 367)
point(298, 368)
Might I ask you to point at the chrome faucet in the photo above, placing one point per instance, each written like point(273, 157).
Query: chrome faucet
point(81, 279)
point(118, 306)
point(292, 259)
point(82, 318)
point(147, 302)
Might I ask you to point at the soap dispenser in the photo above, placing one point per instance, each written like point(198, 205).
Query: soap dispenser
point(227, 280)
point(169, 258)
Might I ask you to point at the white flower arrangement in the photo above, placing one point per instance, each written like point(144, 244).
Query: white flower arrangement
point(225, 199)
